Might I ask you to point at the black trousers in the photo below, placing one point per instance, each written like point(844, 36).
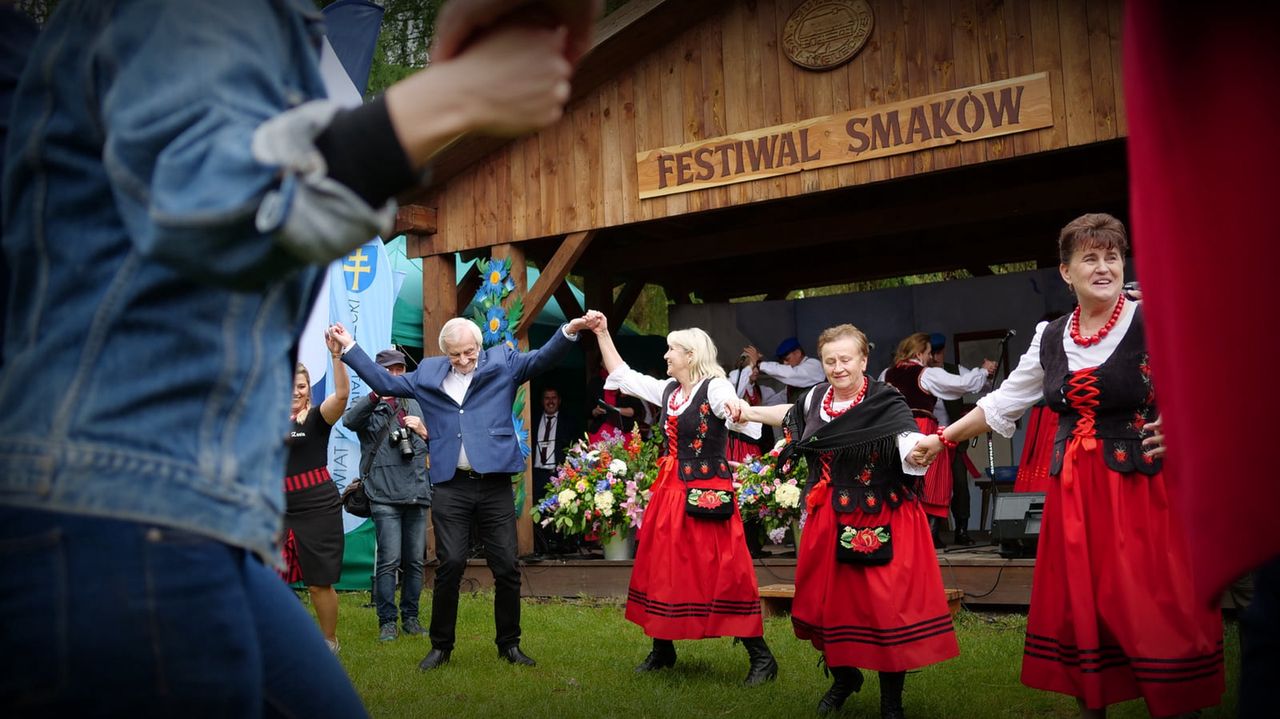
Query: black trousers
point(960, 488)
point(486, 499)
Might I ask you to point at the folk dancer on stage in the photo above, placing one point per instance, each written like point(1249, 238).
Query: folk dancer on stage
point(869, 591)
point(1112, 615)
point(923, 386)
point(693, 577)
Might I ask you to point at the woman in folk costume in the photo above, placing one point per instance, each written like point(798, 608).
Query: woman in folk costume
point(693, 577)
point(923, 386)
point(1112, 616)
point(869, 591)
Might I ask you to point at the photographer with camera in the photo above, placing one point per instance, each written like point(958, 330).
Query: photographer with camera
point(393, 466)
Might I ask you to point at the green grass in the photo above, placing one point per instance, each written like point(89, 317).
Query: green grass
point(586, 651)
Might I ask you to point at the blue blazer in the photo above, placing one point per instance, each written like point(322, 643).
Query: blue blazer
point(482, 423)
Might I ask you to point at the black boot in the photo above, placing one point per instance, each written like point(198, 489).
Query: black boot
point(891, 694)
point(663, 656)
point(933, 532)
point(845, 681)
point(763, 666)
point(963, 538)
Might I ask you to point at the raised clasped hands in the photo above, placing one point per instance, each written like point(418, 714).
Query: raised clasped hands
point(339, 335)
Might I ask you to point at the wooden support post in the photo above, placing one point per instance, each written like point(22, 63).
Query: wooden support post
point(552, 276)
point(439, 299)
point(467, 287)
point(439, 304)
point(520, 276)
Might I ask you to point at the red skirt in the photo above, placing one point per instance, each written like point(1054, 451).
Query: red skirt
point(693, 577)
point(1113, 615)
point(936, 498)
point(740, 450)
point(1037, 451)
point(888, 618)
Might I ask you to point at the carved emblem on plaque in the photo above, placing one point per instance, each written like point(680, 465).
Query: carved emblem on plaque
point(822, 34)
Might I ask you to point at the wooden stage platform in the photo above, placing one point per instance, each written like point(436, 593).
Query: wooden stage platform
point(987, 579)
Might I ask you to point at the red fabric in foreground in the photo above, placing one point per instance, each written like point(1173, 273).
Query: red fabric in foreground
point(1204, 160)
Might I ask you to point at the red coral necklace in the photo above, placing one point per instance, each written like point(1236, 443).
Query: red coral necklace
point(1106, 329)
point(828, 400)
point(676, 401)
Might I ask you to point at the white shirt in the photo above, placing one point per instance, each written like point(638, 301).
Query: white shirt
point(806, 374)
point(649, 389)
point(1025, 385)
point(455, 385)
point(544, 455)
point(741, 381)
point(906, 441)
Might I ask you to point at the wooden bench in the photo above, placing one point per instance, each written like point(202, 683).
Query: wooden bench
point(775, 599)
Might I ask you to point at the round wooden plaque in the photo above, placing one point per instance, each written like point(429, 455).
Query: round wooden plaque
point(823, 34)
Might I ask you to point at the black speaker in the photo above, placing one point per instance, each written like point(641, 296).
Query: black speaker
point(1015, 523)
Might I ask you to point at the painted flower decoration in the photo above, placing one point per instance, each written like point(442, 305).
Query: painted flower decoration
point(865, 540)
point(497, 279)
point(495, 325)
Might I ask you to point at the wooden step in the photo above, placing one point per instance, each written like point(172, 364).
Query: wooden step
point(775, 599)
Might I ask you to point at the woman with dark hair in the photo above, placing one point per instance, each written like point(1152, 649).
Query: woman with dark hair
point(869, 591)
point(1112, 615)
point(693, 577)
point(922, 386)
point(313, 509)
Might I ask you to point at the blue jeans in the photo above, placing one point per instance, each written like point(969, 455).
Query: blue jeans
point(402, 542)
point(116, 618)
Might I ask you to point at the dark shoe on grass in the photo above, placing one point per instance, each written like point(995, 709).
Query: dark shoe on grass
point(513, 655)
point(435, 658)
point(388, 632)
point(845, 681)
point(412, 627)
point(663, 656)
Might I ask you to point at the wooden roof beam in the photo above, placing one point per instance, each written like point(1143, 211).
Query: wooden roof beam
point(552, 276)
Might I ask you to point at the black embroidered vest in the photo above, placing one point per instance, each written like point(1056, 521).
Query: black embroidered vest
point(1112, 402)
point(865, 480)
point(906, 379)
point(698, 442)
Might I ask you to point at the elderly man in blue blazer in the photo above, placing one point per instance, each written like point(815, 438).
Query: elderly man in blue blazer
point(466, 398)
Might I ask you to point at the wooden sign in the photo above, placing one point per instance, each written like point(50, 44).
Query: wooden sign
point(997, 108)
point(822, 34)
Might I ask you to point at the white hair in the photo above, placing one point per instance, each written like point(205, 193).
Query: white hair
point(452, 328)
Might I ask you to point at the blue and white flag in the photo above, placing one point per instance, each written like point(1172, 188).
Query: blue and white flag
point(361, 295)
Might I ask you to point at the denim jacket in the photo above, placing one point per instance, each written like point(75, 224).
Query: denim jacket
point(160, 240)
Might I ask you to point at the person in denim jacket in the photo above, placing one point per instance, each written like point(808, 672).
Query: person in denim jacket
point(174, 179)
point(399, 495)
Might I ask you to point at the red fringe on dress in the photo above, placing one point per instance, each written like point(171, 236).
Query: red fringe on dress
point(693, 577)
point(936, 498)
point(887, 618)
point(1037, 450)
point(1112, 614)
